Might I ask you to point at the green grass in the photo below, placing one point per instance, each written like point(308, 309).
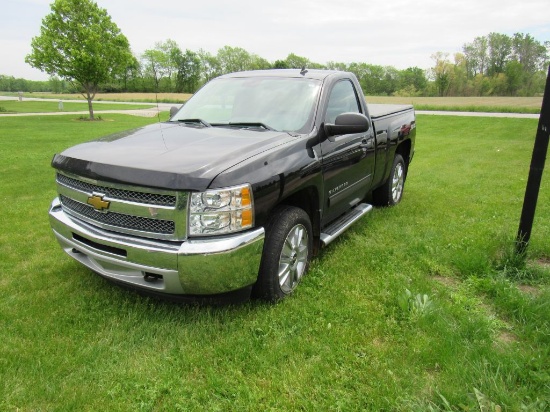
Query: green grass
point(15, 106)
point(472, 332)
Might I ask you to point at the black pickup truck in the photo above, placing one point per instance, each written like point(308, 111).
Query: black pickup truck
point(238, 190)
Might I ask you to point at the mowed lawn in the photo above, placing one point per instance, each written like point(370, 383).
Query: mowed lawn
point(418, 307)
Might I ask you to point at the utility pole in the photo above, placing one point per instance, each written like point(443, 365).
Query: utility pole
point(535, 173)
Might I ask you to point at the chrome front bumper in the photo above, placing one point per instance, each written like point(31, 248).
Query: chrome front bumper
point(193, 267)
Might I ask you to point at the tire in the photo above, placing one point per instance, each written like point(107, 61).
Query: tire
point(391, 192)
point(286, 255)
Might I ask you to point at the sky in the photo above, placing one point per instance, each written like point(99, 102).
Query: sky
point(398, 33)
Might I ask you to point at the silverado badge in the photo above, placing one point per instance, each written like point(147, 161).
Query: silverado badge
point(98, 203)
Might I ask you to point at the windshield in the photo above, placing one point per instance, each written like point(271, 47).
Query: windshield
point(282, 104)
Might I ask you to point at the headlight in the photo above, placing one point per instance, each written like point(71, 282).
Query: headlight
point(220, 211)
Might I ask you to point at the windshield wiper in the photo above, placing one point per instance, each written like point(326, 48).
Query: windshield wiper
point(252, 125)
point(195, 121)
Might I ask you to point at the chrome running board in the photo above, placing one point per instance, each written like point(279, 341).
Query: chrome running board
point(341, 224)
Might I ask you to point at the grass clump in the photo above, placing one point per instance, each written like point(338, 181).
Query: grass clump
point(414, 306)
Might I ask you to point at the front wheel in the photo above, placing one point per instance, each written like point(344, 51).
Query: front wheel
point(391, 192)
point(286, 255)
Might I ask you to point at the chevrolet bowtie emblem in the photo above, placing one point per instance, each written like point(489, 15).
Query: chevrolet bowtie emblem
point(98, 203)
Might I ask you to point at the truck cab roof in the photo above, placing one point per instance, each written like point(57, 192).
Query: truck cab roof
point(307, 73)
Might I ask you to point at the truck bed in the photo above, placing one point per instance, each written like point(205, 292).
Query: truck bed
point(380, 110)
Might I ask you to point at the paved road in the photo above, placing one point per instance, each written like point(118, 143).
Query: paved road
point(165, 107)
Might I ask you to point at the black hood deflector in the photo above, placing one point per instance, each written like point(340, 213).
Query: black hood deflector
point(167, 155)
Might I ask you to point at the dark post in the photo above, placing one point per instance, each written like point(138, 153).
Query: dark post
point(535, 173)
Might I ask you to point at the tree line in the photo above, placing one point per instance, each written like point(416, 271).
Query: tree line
point(80, 44)
point(491, 65)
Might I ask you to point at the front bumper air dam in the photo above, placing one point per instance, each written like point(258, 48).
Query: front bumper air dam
point(194, 267)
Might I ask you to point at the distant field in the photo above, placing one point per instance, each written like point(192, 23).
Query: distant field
point(475, 104)
point(530, 102)
point(145, 97)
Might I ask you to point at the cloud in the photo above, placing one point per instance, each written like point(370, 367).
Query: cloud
point(391, 32)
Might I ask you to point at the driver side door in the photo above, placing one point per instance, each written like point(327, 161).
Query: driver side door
point(348, 160)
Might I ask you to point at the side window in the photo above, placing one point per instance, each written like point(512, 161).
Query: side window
point(342, 99)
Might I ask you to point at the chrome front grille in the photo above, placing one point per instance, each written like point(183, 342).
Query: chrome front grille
point(114, 193)
point(139, 211)
point(118, 219)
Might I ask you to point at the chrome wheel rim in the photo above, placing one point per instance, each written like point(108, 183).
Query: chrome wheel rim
point(293, 259)
point(398, 181)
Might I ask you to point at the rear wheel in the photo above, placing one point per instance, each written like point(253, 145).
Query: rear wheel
point(391, 192)
point(286, 255)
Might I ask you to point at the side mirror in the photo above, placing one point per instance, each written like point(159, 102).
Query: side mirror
point(173, 111)
point(348, 123)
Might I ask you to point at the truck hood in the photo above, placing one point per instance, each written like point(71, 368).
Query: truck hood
point(167, 155)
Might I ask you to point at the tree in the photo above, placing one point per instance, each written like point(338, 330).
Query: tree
point(160, 64)
point(476, 56)
point(507, 65)
point(154, 63)
point(280, 64)
point(210, 66)
point(442, 72)
point(189, 72)
point(413, 76)
point(391, 80)
point(131, 75)
point(56, 84)
point(500, 47)
point(336, 66)
point(258, 63)
point(79, 42)
point(233, 59)
point(533, 57)
point(529, 52)
point(297, 62)
point(6, 83)
point(369, 77)
point(514, 76)
point(459, 77)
